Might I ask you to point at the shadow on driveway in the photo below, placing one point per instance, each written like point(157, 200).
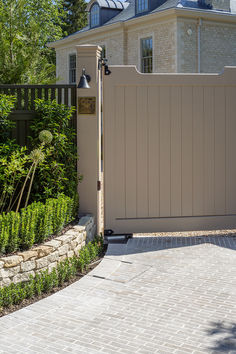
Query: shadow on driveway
point(227, 343)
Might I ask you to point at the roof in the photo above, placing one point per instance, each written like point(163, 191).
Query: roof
point(111, 4)
point(128, 11)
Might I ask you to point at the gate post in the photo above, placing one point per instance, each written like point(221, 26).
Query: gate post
point(89, 131)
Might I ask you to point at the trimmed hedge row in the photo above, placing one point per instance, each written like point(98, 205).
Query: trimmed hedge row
point(33, 224)
point(44, 281)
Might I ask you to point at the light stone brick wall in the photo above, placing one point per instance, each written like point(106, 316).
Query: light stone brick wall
point(62, 64)
point(174, 49)
point(113, 41)
point(21, 266)
point(164, 45)
point(218, 46)
point(123, 47)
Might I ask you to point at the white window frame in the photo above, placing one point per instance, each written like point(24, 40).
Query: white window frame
point(72, 70)
point(140, 38)
point(95, 16)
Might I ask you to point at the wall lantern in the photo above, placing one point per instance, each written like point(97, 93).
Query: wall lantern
point(84, 80)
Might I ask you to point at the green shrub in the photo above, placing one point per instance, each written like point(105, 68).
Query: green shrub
point(51, 177)
point(13, 222)
point(45, 281)
point(34, 223)
point(6, 105)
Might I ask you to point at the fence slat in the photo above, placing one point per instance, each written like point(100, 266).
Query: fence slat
point(53, 93)
point(66, 96)
point(73, 96)
point(19, 98)
point(59, 96)
point(46, 93)
point(24, 111)
point(40, 92)
point(26, 99)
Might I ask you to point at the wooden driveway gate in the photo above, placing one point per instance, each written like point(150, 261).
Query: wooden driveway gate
point(169, 150)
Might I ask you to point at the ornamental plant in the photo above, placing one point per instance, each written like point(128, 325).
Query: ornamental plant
point(7, 103)
point(35, 223)
point(58, 171)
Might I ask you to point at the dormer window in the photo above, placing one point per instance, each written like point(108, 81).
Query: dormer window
point(94, 16)
point(142, 6)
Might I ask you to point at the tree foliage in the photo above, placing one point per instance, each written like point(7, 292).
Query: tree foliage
point(75, 16)
point(25, 28)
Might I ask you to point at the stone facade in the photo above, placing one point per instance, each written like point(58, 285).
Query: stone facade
point(164, 45)
point(21, 266)
point(175, 44)
point(217, 45)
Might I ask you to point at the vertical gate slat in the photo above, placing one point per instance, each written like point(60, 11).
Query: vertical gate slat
point(220, 150)
point(175, 127)
point(187, 151)
point(120, 208)
point(131, 151)
point(142, 152)
point(153, 151)
point(198, 150)
point(165, 156)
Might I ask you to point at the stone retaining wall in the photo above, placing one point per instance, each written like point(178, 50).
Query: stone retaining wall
point(20, 266)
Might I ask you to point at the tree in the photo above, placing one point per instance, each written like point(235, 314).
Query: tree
point(76, 16)
point(25, 28)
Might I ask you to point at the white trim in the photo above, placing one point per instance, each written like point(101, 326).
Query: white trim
point(143, 36)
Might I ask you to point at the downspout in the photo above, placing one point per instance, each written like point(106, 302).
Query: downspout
point(199, 23)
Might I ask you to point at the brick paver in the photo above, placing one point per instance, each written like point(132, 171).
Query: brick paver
point(152, 295)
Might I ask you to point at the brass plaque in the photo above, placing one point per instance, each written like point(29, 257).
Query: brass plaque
point(87, 105)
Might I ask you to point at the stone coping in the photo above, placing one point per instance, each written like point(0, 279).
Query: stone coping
point(22, 265)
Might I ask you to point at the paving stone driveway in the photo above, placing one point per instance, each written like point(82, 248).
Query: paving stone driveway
point(152, 295)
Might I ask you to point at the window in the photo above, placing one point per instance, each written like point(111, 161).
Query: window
point(94, 16)
point(146, 55)
point(72, 69)
point(142, 6)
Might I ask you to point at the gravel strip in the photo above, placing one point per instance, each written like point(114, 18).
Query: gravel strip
point(230, 232)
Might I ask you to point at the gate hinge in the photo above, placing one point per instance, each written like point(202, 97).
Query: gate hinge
point(98, 185)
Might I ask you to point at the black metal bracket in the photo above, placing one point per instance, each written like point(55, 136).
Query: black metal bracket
point(104, 62)
point(108, 232)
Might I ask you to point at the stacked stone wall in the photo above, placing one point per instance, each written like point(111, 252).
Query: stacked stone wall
point(21, 266)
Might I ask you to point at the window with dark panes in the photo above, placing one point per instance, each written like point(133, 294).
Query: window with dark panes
point(72, 69)
point(142, 5)
point(146, 55)
point(94, 16)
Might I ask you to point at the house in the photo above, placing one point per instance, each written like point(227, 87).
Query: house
point(171, 36)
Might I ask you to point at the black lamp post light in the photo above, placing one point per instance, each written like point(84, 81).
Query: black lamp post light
point(84, 80)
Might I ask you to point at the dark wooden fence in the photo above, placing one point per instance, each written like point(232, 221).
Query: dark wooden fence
point(24, 111)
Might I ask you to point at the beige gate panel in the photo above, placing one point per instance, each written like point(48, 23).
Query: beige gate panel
point(170, 150)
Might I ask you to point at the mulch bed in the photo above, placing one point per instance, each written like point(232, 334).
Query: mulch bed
point(28, 302)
